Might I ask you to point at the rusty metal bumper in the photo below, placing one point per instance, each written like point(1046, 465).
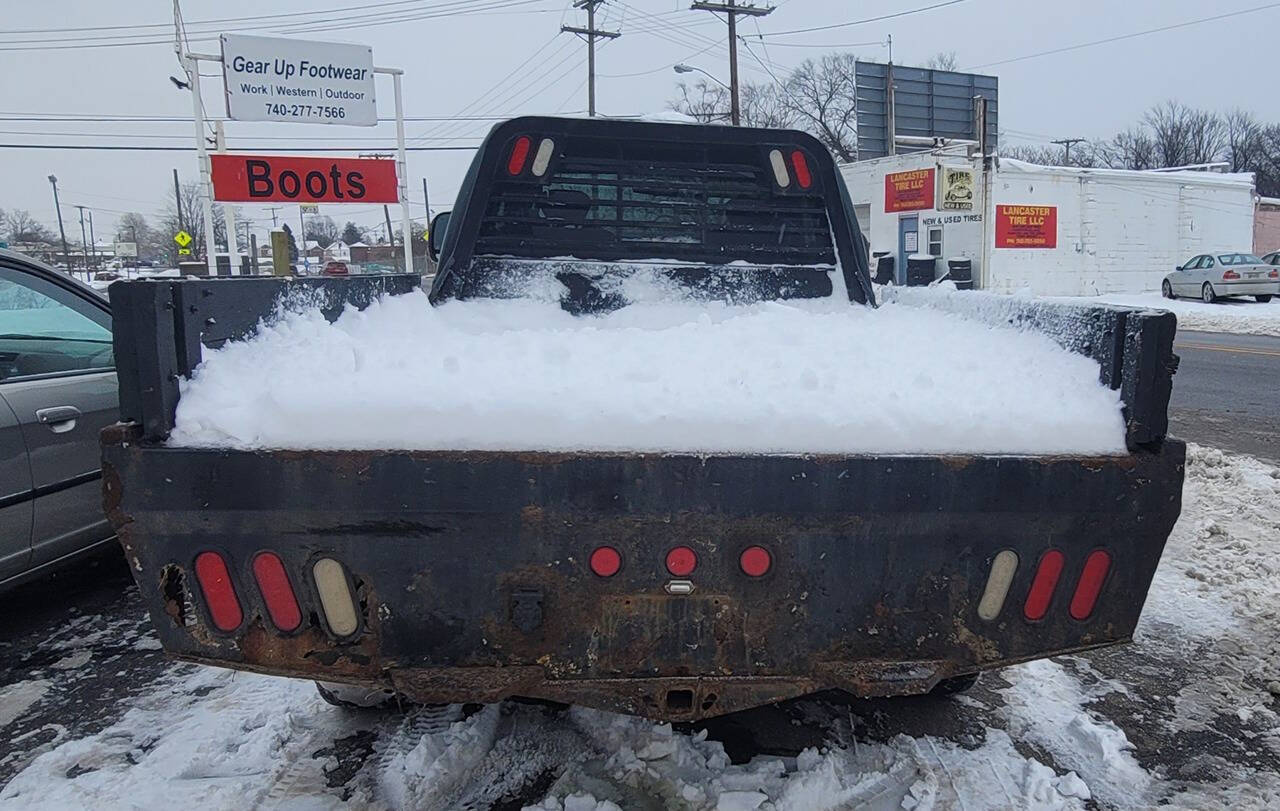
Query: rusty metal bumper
point(473, 585)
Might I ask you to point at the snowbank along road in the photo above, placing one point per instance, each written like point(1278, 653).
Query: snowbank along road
point(91, 715)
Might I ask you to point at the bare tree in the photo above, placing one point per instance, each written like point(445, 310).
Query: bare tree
point(1132, 149)
point(321, 229)
point(823, 96)
point(192, 219)
point(1267, 166)
point(705, 102)
point(943, 60)
point(1246, 146)
point(21, 227)
point(1183, 135)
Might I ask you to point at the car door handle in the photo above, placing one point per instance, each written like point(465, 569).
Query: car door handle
point(59, 418)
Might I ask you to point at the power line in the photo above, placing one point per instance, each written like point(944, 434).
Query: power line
point(731, 11)
point(863, 22)
point(339, 24)
point(1133, 35)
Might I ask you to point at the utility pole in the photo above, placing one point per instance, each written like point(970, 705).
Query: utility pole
point(891, 111)
point(590, 32)
point(273, 210)
point(177, 201)
point(1066, 144)
point(83, 240)
point(732, 11)
point(66, 258)
point(93, 240)
point(391, 237)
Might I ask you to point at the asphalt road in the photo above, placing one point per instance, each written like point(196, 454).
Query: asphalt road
point(1227, 392)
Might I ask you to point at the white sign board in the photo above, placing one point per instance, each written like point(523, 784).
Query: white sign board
point(275, 79)
point(127, 250)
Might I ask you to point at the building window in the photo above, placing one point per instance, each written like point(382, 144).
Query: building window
point(935, 242)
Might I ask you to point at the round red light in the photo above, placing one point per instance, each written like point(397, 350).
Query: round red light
point(606, 561)
point(755, 561)
point(681, 561)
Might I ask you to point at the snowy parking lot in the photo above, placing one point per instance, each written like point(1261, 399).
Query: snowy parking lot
point(93, 716)
point(1241, 316)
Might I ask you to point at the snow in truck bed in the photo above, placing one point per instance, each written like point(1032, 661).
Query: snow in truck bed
point(659, 376)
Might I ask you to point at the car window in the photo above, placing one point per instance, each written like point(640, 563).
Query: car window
point(1239, 259)
point(1193, 263)
point(1206, 261)
point(45, 329)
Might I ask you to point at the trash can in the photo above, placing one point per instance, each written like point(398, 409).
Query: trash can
point(921, 270)
point(884, 267)
point(961, 272)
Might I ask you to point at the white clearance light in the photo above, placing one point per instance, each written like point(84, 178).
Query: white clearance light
point(780, 173)
point(1002, 570)
point(335, 597)
point(543, 157)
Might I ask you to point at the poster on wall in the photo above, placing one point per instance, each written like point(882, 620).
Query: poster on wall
point(909, 191)
point(957, 189)
point(1026, 226)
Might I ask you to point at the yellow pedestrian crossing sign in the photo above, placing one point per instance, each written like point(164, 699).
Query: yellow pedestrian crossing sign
point(183, 239)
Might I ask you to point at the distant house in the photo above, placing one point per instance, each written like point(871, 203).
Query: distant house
point(338, 251)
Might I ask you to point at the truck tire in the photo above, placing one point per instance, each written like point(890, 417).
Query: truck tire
point(1263, 299)
point(1166, 289)
point(955, 684)
point(1207, 295)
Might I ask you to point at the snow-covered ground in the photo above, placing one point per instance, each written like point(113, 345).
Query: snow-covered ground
point(1241, 316)
point(1186, 717)
point(781, 377)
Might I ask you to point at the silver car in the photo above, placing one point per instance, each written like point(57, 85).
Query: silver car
point(57, 391)
point(1214, 276)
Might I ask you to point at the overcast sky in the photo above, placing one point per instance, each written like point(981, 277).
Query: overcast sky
point(463, 63)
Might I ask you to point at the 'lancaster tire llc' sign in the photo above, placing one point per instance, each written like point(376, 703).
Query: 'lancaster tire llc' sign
point(909, 191)
point(1026, 226)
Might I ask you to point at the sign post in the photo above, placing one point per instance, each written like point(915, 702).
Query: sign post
point(285, 80)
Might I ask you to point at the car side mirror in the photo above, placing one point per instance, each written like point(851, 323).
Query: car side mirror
point(435, 239)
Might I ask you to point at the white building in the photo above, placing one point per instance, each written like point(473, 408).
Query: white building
point(1053, 230)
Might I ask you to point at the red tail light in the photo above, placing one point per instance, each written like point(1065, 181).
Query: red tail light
point(681, 561)
point(1042, 587)
point(276, 591)
point(1230, 275)
point(802, 169)
point(1095, 571)
point(219, 594)
point(1275, 274)
point(755, 561)
point(606, 561)
point(519, 154)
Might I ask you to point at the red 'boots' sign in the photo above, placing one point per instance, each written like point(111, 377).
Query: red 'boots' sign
point(279, 179)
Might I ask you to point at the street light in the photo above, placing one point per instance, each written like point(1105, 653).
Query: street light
point(683, 68)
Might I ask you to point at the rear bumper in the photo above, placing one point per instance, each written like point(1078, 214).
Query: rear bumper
point(1247, 287)
point(470, 574)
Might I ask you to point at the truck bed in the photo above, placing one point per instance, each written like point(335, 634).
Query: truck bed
point(467, 573)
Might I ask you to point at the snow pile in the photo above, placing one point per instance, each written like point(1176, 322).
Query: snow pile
point(1241, 316)
point(663, 376)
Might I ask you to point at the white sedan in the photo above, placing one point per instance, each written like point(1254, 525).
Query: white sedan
point(1214, 276)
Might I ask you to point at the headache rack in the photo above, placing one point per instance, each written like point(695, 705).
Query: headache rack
point(615, 191)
